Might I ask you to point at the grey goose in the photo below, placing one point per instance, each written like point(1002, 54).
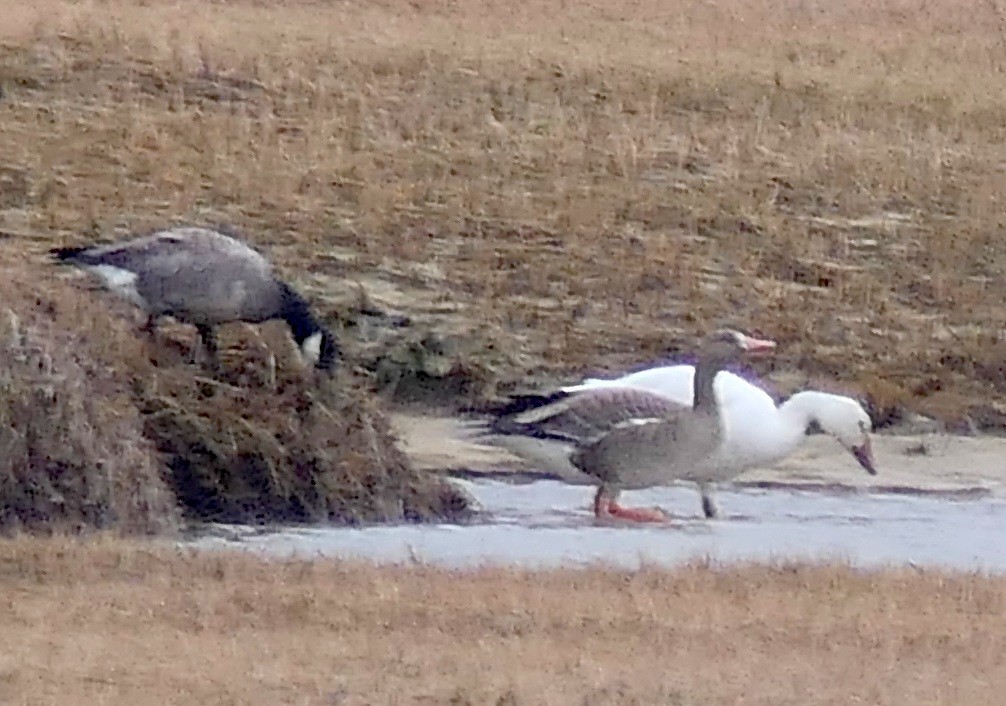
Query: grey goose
point(629, 438)
point(205, 278)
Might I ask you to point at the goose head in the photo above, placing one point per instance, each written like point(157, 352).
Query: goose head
point(725, 344)
point(847, 421)
point(717, 350)
point(316, 343)
point(320, 349)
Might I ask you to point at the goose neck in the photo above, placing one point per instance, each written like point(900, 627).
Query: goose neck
point(702, 384)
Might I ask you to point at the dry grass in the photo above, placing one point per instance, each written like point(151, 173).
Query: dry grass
point(288, 452)
point(73, 455)
point(108, 622)
point(101, 429)
point(559, 188)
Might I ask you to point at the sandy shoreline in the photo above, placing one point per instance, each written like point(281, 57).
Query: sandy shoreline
point(925, 463)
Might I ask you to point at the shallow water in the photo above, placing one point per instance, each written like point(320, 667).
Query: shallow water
point(548, 523)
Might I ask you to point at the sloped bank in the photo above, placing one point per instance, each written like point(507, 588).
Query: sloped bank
point(101, 429)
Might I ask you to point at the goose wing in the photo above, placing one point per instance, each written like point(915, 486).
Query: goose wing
point(584, 416)
point(166, 252)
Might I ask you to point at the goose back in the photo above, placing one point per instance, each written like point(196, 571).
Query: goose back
point(207, 278)
point(197, 275)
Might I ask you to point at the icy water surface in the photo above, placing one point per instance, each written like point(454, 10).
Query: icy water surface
point(548, 523)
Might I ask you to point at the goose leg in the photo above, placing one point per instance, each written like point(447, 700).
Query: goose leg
point(209, 340)
point(709, 508)
point(150, 328)
point(606, 506)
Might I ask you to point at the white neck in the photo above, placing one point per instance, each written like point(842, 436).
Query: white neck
point(801, 409)
point(773, 436)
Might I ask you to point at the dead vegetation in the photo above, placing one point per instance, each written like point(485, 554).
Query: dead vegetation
point(288, 452)
point(504, 194)
point(109, 622)
point(73, 455)
point(100, 428)
point(559, 191)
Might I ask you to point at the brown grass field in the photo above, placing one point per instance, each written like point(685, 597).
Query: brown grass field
point(553, 187)
point(110, 622)
point(543, 188)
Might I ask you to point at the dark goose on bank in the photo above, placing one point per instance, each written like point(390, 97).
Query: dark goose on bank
point(205, 278)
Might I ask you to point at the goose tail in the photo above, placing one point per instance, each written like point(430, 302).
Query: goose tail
point(71, 254)
point(516, 404)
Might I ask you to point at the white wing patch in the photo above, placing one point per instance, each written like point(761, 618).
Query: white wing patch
point(120, 281)
point(638, 422)
point(311, 347)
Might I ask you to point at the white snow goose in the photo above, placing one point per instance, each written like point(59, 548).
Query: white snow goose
point(631, 438)
point(758, 433)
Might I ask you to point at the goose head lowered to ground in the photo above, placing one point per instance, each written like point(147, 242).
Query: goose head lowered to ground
point(205, 278)
point(840, 417)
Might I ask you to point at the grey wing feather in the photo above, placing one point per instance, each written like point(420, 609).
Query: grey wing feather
point(195, 274)
point(586, 415)
point(166, 250)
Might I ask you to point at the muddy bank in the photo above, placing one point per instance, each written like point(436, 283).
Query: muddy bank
point(937, 502)
point(924, 463)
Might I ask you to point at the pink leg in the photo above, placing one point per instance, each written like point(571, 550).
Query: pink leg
point(605, 506)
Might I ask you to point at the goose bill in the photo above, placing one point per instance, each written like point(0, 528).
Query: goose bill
point(864, 454)
point(756, 345)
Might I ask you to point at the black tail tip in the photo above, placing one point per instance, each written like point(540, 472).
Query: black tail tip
point(517, 403)
point(64, 254)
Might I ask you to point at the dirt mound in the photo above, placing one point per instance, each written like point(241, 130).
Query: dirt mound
point(280, 443)
point(73, 454)
point(104, 428)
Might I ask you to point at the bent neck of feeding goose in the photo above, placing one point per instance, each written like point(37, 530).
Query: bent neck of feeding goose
point(838, 416)
point(316, 343)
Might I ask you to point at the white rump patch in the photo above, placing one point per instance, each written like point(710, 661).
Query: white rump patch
point(311, 347)
point(638, 422)
point(120, 281)
point(643, 421)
